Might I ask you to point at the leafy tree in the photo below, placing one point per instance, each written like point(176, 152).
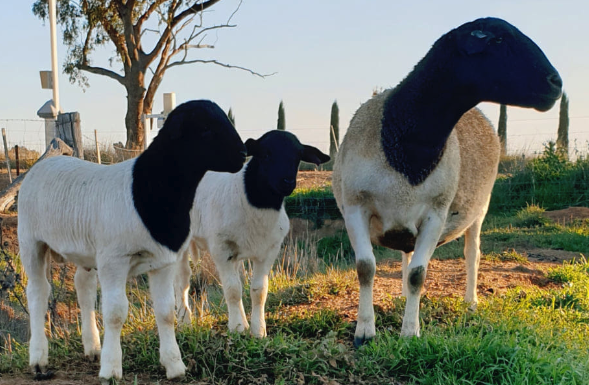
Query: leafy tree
point(334, 130)
point(502, 128)
point(281, 125)
point(149, 38)
point(562, 141)
point(231, 116)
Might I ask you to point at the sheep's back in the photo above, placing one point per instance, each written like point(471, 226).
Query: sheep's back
point(75, 206)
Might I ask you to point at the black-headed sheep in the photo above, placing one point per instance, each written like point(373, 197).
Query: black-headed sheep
point(417, 165)
point(242, 216)
point(119, 221)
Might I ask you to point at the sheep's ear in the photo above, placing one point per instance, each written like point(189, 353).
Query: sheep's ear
point(312, 155)
point(251, 146)
point(475, 42)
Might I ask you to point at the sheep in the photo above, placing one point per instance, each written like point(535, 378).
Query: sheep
point(417, 165)
point(119, 221)
point(242, 216)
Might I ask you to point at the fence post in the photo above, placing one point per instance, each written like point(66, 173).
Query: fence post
point(6, 154)
point(17, 160)
point(97, 148)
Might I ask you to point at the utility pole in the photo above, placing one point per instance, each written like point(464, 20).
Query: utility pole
point(53, 33)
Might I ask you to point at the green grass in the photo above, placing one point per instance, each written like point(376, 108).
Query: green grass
point(517, 338)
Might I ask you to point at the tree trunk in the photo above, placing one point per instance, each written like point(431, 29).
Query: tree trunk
point(7, 196)
point(135, 109)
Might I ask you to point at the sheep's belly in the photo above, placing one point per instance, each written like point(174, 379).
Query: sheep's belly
point(400, 239)
point(145, 261)
point(84, 260)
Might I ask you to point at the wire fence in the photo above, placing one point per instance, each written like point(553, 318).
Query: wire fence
point(509, 194)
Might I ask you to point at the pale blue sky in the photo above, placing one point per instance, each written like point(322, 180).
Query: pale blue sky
point(320, 50)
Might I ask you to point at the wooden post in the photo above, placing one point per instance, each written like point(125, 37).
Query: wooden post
point(17, 160)
point(97, 148)
point(6, 154)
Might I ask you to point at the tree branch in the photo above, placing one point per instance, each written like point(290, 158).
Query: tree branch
point(183, 62)
point(102, 71)
point(195, 8)
point(149, 11)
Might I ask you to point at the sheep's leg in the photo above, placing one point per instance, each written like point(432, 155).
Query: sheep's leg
point(35, 262)
point(357, 224)
point(472, 255)
point(86, 282)
point(232, 290)
point(259, 293)
point(161, 288)
point(112, 273)
point(426, 242)
point(406, 259)
point(181, 287)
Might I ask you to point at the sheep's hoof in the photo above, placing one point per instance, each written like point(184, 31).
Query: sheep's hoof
point(40, 376)
point(93, 356)
point(359, 341)
point(176, 373)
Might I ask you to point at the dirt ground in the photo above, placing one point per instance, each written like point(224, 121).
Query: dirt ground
point(443, 278)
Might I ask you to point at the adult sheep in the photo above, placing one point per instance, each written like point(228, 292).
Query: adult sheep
point(417, 165)
point(119, 221)
point(242, 216)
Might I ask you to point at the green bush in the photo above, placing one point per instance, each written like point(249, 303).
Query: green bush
point(549, 181)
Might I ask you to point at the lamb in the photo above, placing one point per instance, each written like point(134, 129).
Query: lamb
point(119, 221)
point(242, 216)
point(418, 162)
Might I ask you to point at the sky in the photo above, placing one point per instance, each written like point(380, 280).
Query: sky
point(318, 50)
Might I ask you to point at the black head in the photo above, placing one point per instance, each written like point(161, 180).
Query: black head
point(276, 157)
point(201, 131)
point(495, 62)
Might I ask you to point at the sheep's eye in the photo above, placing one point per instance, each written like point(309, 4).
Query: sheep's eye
point(478, 34)
point(498, 40)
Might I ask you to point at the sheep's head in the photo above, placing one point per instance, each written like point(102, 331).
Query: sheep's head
point(202, 133)
point(276, 157)
point(495, 62)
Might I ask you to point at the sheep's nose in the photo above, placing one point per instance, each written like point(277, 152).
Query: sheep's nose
point(555, 81)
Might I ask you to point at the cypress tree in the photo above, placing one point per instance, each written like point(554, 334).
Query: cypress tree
point(334, 130)
point(281, 119)
point(562, 141)
point(231, 116)
point(502, 129)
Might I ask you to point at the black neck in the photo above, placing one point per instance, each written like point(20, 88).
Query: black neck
point(163, 190)
point(257, 191)
point(419, 115)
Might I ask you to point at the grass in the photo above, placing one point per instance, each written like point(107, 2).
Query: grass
point(517, 338)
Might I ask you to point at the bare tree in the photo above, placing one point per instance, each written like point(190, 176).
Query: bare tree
point(90, 24)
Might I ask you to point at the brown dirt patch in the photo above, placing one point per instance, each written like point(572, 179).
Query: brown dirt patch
point(310, 179)
point(444, 278)
point(568, 215)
